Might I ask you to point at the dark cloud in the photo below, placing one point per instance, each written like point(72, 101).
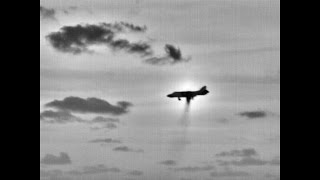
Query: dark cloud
point(254, 114)
point(173, 56)
point(105, 141)
point(141, 48)
point(90, 105)
point(50, 159)
point(127, 149)
point(194, 168)
point(239, 153)
point(77, 39)
point(46, 13)
point(135, 173)
point(169, 163)
point(230, 173)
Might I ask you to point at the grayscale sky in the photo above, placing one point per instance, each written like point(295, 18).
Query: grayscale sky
point(104, 113)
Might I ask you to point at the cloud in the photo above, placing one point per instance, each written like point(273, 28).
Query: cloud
point(250, 161)
point(50, 159)
point(105, 141)
point(275, 161)
point(90, 105)
point(135, 173)
point(72, 174)
point(78, 39)
point(63, 117)
point(105, 123)
point(272, 176)
point(133, 27)
point(101, 119)
point(46, 13)
point(246, 157)
point(141, 48)
point(239, 153)
point(194, 168)
point(51, 174)
point(127, 149)
point(59, 117)
point(169, 163)
point(108, 126)
point(230, 173)
point(254, 114)
point(90, 170)
point(173, 56)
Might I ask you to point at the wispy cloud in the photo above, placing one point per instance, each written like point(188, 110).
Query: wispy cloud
point(135, 173)
point(229, 173)
point(193, 169)
point(106, 141)
point(127, 149)
point(169, 163)
point(59, 117)
point(254, 114)
point(173, 56)
point(239, 153)
point(250, 161)
point(98, 169)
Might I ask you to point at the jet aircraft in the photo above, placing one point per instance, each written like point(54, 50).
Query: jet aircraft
point(189, 95)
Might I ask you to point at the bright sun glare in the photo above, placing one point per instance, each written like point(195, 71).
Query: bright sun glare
point(189, 86)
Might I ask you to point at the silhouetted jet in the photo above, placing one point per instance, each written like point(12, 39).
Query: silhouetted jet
point(189, 95)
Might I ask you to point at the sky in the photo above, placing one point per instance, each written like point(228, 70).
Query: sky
point(106, 67)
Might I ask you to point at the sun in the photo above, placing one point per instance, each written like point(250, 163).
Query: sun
point(189, 86)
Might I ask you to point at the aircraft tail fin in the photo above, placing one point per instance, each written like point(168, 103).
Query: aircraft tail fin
point(203, 91)
point(203, 88)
